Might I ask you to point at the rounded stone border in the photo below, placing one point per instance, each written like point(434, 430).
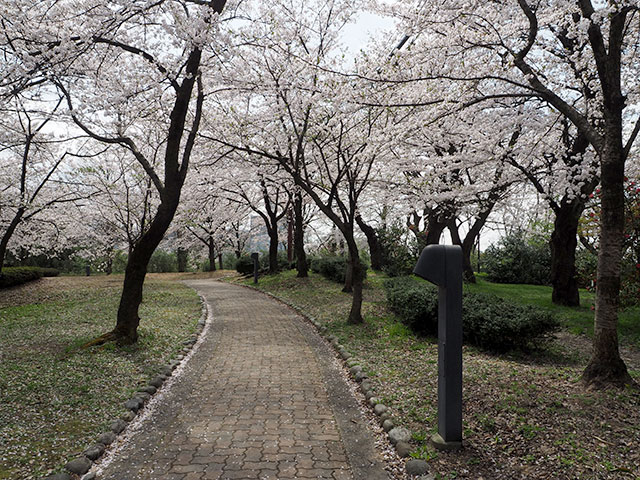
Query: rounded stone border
point(399, 437)
point(79, 466)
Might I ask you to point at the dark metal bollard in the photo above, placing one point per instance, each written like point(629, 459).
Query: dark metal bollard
point(254, 257)
point(442, 265)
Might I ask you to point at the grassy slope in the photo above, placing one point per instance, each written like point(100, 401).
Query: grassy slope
point(525, 415)
point(55, 398)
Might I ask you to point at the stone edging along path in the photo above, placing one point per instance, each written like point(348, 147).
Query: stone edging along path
point(399, 437)
point(78, 466)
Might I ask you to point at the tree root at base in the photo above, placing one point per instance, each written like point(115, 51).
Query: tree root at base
point(112, 336)
point(601, 376)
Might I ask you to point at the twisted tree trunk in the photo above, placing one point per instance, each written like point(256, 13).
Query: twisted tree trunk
point(375, 249)
point(126, 330)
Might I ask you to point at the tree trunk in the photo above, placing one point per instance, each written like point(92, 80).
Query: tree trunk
point(273, 250)
point(109, 266)
point(126, 330)
point(563, 254)
point(289, 235)
point(181, 255)
point(212, 255)
point(434, 231)
point(298, 238)
point(606, 366)
point(348, 278)
point(4, 241)
point(470, 238)
point(467, 246)
point(357, 276)
point(375, 249)
point(220, 260)
point(434, 225)
point(467, 268)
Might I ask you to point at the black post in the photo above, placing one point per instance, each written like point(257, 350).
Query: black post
point(442, 265)
point(254, 257)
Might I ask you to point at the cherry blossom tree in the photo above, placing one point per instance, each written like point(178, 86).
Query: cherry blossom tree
point(289, 44)
point(579, 57)
point(34, 164)
point(268, 198)
point(453, 173)
point(342, 150)
point(564, 179)
point(205, 213)
point(131, 76)
point(122, 209)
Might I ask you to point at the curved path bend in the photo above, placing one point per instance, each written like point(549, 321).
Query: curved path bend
point(260, 398)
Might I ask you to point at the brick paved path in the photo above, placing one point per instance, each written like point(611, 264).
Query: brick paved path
point(260, 398)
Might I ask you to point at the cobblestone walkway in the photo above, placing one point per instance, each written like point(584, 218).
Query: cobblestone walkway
point(260, 398)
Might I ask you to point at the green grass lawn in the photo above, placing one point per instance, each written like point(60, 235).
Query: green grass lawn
point(578, 320)
point(525, 414)
point(56, 397)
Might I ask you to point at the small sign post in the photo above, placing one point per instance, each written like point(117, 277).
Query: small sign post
point(442, 265)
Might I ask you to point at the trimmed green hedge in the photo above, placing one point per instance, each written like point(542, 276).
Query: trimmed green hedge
point(488, 321)
point(12, 276)
point(416, 303)
point(49, 272)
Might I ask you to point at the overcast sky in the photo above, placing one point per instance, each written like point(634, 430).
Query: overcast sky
point(357, 34)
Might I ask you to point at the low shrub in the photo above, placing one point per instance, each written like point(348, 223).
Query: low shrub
point(518, 259)
point(629, 282)
point(244, 265)
point(488, 321)
point(398, 256)
point(283, 263)
point(586, 267)
point(67, 260)
point(494, 323)
point(13, 276)
point(163, 262)
point(415, 302)
point(332, 267)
